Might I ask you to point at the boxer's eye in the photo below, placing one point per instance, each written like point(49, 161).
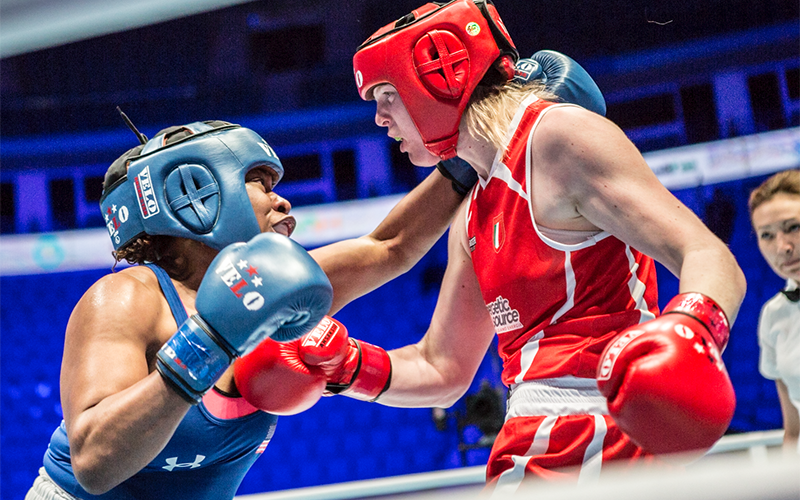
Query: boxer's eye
point(385, 93)
point(262, 176)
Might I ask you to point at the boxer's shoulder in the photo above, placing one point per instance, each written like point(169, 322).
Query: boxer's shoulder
point(130, 299)
point(137, 282)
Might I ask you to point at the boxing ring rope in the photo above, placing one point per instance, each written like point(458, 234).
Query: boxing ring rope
point(738, 467)
point(468, 478)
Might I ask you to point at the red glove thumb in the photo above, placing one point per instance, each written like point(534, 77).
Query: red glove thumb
point(273, 378)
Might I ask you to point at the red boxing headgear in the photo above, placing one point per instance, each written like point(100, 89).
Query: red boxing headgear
point(435, 57)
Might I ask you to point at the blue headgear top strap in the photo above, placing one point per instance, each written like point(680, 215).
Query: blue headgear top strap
point(160, 140)
point(192, 188)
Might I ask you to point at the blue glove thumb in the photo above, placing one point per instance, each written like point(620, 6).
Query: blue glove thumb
point(563, 77)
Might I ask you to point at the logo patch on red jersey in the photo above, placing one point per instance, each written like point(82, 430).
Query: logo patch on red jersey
point(505, 319)
point(498, 232)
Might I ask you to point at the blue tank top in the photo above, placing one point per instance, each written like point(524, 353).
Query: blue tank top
point(206, 459)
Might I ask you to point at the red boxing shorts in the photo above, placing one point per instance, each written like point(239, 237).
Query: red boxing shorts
point(556, 430)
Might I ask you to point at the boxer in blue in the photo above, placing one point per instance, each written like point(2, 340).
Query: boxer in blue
point(151, 409)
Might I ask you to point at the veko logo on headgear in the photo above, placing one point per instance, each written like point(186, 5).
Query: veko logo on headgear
point(253, 301)
point(114, 219)
point(148, 203)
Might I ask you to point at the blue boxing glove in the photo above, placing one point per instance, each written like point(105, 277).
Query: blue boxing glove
point(460, 173)
point(269, 287)
point(563, 77)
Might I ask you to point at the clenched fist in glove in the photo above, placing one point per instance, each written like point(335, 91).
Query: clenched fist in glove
point(290, 377)
point(267, 287)
point(665, 382)
point(352, 367)
point(273, 378)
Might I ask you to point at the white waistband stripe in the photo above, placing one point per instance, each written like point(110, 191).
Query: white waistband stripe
point(554, 397)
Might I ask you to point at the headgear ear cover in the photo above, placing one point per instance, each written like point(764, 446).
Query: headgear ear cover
point(193, 187)
point(435, 57)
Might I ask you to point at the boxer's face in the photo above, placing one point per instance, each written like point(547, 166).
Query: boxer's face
point(392, 114)
point(777, 226)
point(272, 211)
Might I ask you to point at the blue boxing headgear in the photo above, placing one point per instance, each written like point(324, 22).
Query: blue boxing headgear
point(188, 181)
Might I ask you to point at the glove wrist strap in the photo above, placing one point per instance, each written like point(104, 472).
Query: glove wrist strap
point(371, 377)
point(193, 359)
point(705, 310)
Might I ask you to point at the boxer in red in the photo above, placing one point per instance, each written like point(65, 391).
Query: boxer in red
point(553, 251)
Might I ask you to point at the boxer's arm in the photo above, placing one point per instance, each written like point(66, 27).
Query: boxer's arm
point(360, 265)
point(791, 418)
point(118, 414)
point(611, 186)
point(438, 370)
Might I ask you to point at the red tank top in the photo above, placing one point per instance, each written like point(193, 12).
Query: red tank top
point(555, 306)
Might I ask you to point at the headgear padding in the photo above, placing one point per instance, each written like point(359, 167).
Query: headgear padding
point(187, 181)
point(435, 57)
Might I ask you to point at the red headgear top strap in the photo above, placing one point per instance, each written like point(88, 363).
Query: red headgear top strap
point(435, 57)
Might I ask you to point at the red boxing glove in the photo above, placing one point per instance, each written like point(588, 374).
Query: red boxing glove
point(273, 378)
point(353, 368)
point(665, 382)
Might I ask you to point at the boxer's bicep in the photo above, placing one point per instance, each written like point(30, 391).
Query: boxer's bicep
point(106, 342)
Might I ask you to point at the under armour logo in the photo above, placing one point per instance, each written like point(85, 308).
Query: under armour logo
point(172, 462)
